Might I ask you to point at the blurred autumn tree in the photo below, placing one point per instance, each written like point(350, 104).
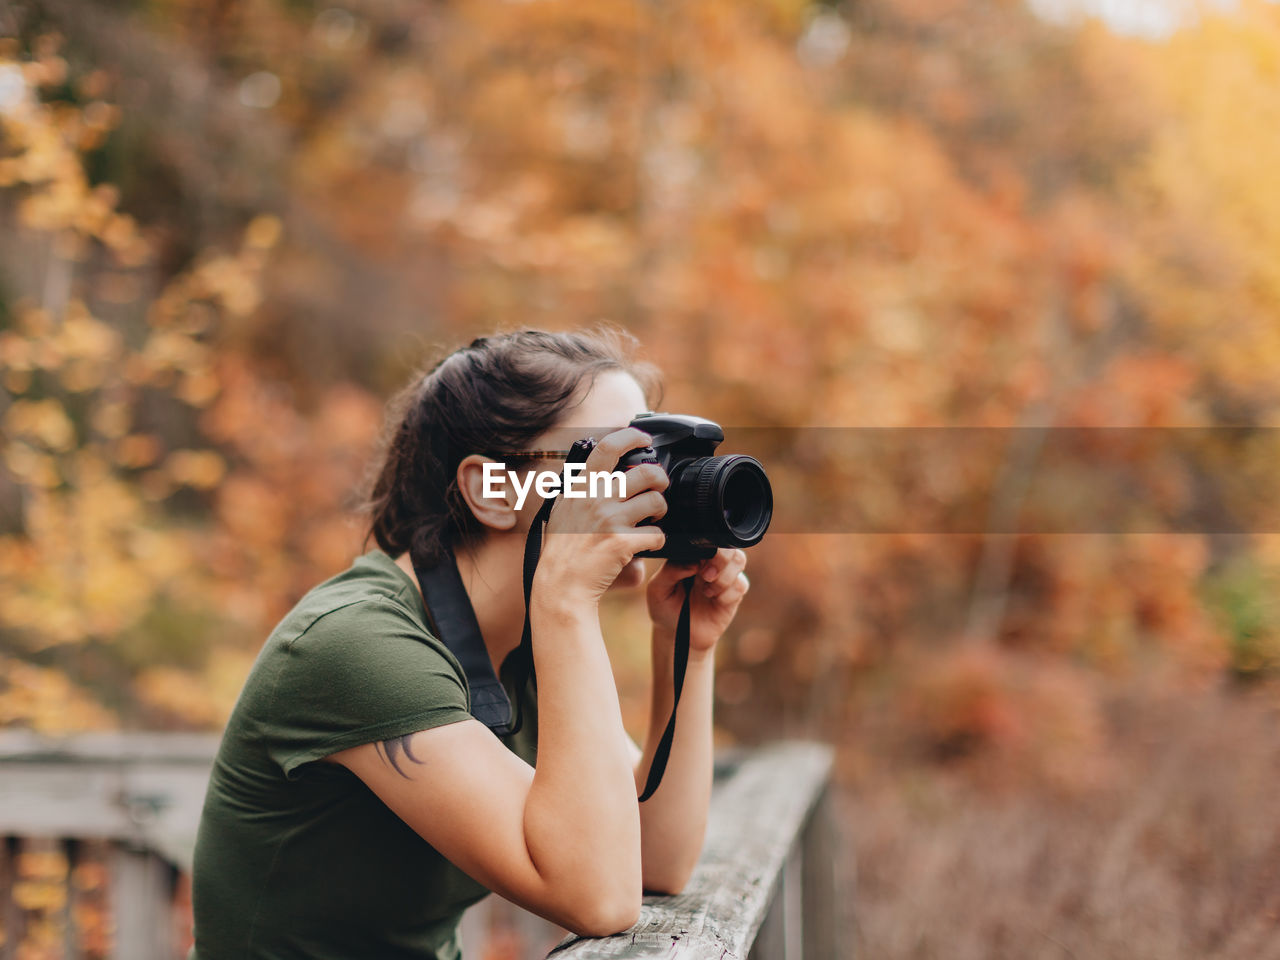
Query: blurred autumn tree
point(131, 553)
point(932, 213)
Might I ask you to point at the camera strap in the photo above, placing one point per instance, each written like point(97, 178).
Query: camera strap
point(522, 656)
point(660, 755)
point(454, 621)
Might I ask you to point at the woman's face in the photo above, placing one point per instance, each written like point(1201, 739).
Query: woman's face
point(614, 399)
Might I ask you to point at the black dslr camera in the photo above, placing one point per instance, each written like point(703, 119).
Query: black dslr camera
point(712, 501)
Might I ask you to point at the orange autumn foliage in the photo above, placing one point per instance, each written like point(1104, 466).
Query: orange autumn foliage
point(935, 214)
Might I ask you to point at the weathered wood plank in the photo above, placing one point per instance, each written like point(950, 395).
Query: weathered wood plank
point(142, 905)
point(780, 936)
point(770, 942)
point(70, 927)
point(824, 878)
point(10, 850)
point(756, 816)
point(142, 789)
point(109, 746)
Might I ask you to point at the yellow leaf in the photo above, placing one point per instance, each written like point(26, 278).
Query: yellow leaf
point(45, 420)
point(17, 381)
point(198, 387)
point(137, 450)
point(263, 232)
point(156, 484)
point(84, 336)
point(111, 419)
point(32, 466)
point(81, 375)
point(15, 351)
point(202, 469)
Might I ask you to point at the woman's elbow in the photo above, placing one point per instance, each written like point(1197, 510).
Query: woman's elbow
point(667, 885)
point(668, 879)
point(604, 914)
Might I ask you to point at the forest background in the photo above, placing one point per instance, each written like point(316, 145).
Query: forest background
point(230, 229)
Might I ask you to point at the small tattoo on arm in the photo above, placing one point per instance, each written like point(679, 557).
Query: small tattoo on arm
point(391, 750)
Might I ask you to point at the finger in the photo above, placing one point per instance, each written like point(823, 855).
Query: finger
point(672, 572)
point(678, 569)
point(630, 512)
point(647, 476)
point(728, 576)
point(712, 566)
point(726, 565)
point(640, 539)
point(731, 594)
point(608, 451)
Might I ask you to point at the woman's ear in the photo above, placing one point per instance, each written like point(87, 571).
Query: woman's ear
point(487, 490)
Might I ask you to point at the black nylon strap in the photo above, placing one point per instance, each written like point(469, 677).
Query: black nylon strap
point(522, 656)
point(532, 550)
point(455, 625)
point(663, 752)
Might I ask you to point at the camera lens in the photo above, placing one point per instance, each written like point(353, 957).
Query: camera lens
point(746, 498)
point(729, 500)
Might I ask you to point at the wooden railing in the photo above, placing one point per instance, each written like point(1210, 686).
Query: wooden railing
point(767, 886)
point(128, 802)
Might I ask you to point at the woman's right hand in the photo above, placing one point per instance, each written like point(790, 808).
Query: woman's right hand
point(589, 540)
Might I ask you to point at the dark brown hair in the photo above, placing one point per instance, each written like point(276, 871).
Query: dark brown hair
point(496, 394)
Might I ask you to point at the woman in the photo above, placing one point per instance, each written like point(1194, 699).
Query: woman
point(356, 806)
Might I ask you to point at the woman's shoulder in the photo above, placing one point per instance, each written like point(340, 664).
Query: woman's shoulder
point(352, 662)
point(372, 586)
point(369, 616)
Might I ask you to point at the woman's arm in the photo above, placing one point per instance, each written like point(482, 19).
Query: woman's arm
point(673, 821)
point(562, 840)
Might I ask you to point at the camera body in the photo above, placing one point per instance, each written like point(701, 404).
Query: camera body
point(712, 501)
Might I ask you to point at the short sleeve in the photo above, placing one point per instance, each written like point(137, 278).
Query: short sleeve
point(358, 674)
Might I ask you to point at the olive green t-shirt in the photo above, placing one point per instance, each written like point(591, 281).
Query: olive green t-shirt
point(297, 859)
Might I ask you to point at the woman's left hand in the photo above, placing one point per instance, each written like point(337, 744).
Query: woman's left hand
point(718, 587)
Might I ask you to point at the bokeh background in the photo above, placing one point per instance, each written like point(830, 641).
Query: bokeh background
point(230, 229)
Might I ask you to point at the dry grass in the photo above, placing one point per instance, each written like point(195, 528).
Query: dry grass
point(1176, 855)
